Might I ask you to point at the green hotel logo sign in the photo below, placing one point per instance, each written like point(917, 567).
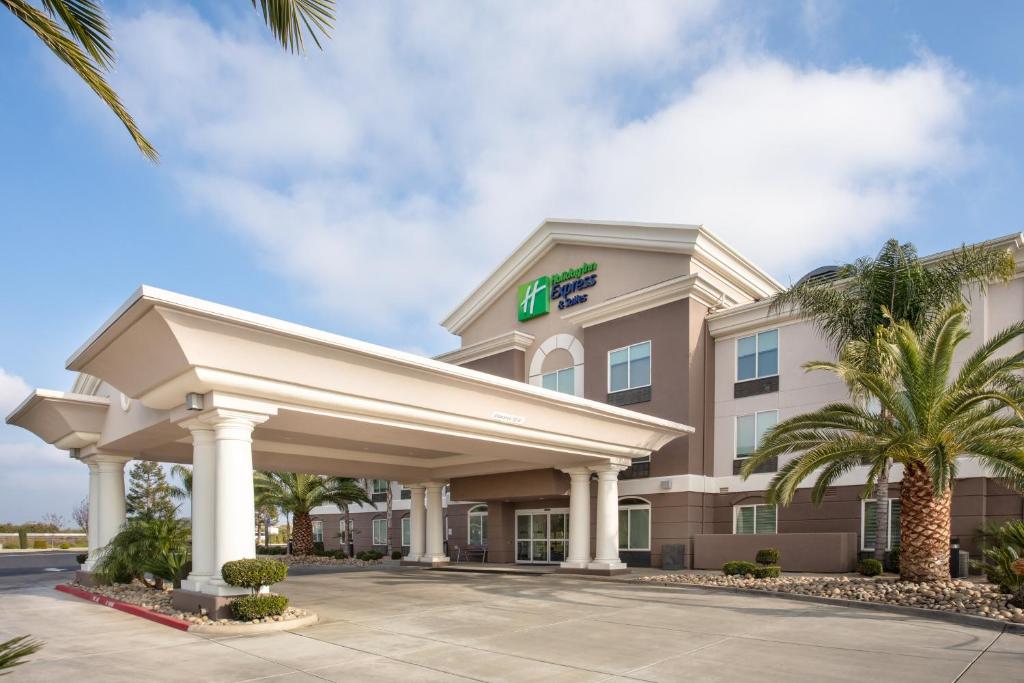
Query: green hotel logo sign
point(534, 298)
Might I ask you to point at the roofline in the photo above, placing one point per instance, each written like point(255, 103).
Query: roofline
point(544, 237)
point(50, 394)
point(147, 297)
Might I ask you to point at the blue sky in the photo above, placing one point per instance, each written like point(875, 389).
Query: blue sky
point(367, 188)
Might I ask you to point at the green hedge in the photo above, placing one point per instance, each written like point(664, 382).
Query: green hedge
point(767, 571)
point(369, 555)
point(767, 556)
point(39, 544)
point(249, 607)
point(738, 568)
point(253, 573)
point(869, 567)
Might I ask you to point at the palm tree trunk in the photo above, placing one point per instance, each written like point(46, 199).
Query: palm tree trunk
point(388, 517)
point(302, 538)
point(349, 542)
point(882, 514)
point(925, 527)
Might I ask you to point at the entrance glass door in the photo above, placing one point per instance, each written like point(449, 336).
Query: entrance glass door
point(541, 536)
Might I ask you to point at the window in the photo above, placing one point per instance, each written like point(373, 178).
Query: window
point(406, 533)
point(560, 380)
point(634, 524)
point(379, 490)
point(638, 468)
point(750, 430)
point(380, 531)
point(869, 524)
point(757, 355)
point(629, 367)
point(478, 525)
point(404, 492)
point(341, 530)
point(318, 531)
point(754, 519)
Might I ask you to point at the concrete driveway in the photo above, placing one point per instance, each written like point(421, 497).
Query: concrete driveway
point(417, 625)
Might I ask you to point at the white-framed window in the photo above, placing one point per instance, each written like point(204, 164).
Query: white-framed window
point(750, 430)
point(380, 531)
point(757, 355)
point(379, 486)
point(318, 531)
point(477, 525)
point(406, 533)
point(869, 523)
point(563, 381)
point(634, 524)
point(629, 367)
point(342, 536)
point(754, 519)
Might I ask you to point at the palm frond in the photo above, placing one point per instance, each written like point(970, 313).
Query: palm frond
point(87, 22)
point(290, 20)
point(16, 649)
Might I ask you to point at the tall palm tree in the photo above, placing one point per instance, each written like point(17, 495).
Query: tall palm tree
point(850, 308)
point(298, 494)
point(930, 420)
point(344, 492)
point(77, 32)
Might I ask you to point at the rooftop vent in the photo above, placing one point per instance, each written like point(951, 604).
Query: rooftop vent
point(822, 274)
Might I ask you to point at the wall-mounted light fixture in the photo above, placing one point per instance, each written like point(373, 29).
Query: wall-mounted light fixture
point(193, 401)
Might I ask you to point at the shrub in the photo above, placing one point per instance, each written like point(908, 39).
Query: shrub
point(253, 574)
point(396, 554)
point(270, 550)
point(369, 555)
point(338, 554)
point(767, 556)
point(81, 558)
point(22, 539)
point(65, 546)
point(767, 571)
point(892, 560)
point(738, 568)
point(318, 547)
point(159, 547)
point(39, 544)
point(249, 607)
point(869, 567)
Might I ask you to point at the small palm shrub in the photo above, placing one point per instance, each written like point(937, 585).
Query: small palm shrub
point(159, 548)
point(767, 556)
point(13, 651)
point(254, 574)
point(258, 606)
point(869, 567)
point(738, 568)
point(1003, 558)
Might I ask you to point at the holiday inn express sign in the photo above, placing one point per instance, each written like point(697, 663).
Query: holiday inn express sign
point(534, 298)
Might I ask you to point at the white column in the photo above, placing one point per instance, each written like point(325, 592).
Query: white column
point(417, 523)
point(110, 475)
point(203, 497)
point(607, 555)
point(579, 518)
point(435, 524)
point(94, 515)
point(233, 508)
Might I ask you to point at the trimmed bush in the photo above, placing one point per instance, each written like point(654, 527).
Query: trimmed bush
point(65, 546)
point(369, 555)
point(396, 554)
point(270, 550)
point(767, 571)
point(869, 567)
point(80, 558)
point(767, 556)
point(253, 574)
point(249, 607)
point(738, 568)
point(39, 544)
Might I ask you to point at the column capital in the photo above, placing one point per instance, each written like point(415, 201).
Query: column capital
point(98, 459)
point(608, 470)
point(224, 417)
point(434, 484)
point(580, 471)
point(417, 486)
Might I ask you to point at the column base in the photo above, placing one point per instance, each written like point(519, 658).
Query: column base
point(195, 582)
point(214, 606)
point(426, 561)
point(574, 564)
point(218, 588)
point(611, 566)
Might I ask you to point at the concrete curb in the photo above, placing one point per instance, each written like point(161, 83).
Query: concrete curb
point(937, 615)
point(253, 629)
point(126, 607)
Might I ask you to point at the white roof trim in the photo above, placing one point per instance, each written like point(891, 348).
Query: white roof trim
point(510, 341)
point(693, 286)
point(661, 237)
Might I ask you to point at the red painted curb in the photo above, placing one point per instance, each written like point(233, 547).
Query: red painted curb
point(124, 607)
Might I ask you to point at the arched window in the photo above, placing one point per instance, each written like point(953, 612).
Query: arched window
point(478, 525)
point(558, 365)
point(634, 524)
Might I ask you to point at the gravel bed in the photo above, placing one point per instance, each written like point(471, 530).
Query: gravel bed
point(157, 600)
point(320, 561)
point(957, 596)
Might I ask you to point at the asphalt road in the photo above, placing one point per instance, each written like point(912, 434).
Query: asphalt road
point(39, 562)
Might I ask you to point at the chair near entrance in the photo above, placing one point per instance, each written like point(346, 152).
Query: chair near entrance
point(472, 553)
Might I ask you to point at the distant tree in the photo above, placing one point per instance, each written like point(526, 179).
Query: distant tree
point(149, 496)
point(184, 474)
point(80, 514)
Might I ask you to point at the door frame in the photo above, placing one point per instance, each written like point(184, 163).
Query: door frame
point(547, 512)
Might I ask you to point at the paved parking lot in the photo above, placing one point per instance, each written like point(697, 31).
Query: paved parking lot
point(418, 625)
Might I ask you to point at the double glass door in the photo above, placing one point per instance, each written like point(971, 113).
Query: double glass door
point(542, 536)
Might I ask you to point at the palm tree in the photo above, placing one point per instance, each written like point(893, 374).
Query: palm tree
point(929, 420)
point(184, 475)
point(850, 308)
point(300, 493)
point(343, 492)
point(77, 32)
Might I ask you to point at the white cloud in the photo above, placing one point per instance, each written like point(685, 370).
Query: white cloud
point(13, 390)
point(405, 162)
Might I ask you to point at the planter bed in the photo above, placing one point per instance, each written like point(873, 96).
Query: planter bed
point(321, 561)
point(969, 598)
point(155, 604)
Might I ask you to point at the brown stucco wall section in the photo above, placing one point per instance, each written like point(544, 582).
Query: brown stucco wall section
point(811, 552)
point(668, 329)
point(529, 484)
point(510, 364)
